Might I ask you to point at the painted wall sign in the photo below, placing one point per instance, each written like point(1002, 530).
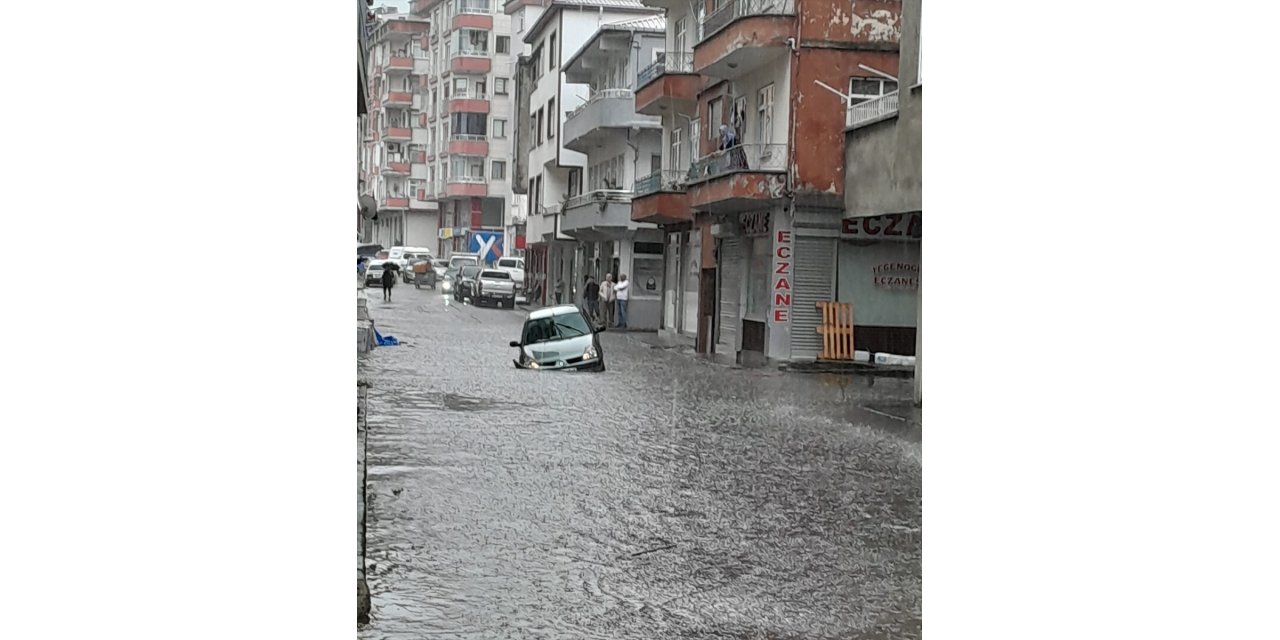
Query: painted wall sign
point(755, 224)
point(899, 276)
point(898, 226)
point(488, 244)
point(782, 269)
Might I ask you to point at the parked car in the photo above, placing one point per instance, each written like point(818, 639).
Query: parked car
point(494, 285)
point(558, 338)
point(373, 275)
point(464, 284)
point(515, 267)
point(449, 282)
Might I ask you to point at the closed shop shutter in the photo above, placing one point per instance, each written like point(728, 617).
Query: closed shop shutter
point(732, 257)
point(814, 281)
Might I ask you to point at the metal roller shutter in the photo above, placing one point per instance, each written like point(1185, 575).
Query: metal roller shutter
point(815, 266)
point(732, 257)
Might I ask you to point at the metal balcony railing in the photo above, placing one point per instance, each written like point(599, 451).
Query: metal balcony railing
point(734, 9)
point(468, 179)
point(665, 180)
point(470, 94)
point(743, 157)
point(602, 94)
point(598, 196)
point(480, 7)
point(672, 62)
point(474, 52)
point(871, 110)
point(467, 137)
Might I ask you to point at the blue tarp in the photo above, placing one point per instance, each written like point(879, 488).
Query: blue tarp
point(385, 341)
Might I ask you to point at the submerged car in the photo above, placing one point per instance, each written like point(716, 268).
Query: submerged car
point(464, 283)
point(559, 338)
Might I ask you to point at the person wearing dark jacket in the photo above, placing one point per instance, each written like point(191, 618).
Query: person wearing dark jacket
point(592, 297)
point(388, 281)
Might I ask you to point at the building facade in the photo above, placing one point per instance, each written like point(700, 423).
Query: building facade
point(465, 90)
point(553, 174)
point(396, 134)
point(620, 146)
point(751, 192)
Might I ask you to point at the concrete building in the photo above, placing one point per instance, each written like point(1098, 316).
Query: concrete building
point(397, 134)
point(751, 191)
point(551, 31)
point(620, 145)
point(364, 30)
point(878, 259)
point(465, 94)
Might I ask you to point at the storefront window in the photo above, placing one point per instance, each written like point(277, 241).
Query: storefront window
point(758, 278)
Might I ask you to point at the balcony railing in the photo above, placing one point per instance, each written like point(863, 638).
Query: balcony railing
point(743, 157)
point(474, 52)
point(599, 195)
point(479, 7)
point(871, 110)
point(467, 137)
point(599, 95)
point(471, 94)
point(672, 62)
point(734, 9)
point(468, 179)
point(665, 180)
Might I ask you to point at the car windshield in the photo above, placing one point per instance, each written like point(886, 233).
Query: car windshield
point(470, 272)
point(561, 327)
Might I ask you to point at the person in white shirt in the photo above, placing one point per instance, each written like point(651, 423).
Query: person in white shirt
point(606, 299)
point(622, 293)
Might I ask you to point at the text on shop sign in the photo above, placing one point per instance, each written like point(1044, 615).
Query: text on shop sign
point(896, 226)
point(899, 276)
point(782, 277)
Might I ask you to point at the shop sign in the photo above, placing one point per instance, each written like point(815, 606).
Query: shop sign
point(782, 269)
point(896, 276)
point(898, 226)
point(755, 224)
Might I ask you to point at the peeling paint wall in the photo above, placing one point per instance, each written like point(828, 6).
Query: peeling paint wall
point(850, 21)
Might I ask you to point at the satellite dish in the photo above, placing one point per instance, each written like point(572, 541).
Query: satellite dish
point(368, 207)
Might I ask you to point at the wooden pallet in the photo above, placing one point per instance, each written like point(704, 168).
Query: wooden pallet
point(836, 330)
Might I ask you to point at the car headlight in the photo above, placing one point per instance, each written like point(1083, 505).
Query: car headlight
point(533, 364)
point(447, 285)
point(590, 353)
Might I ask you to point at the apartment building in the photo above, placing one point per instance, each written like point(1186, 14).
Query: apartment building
point(364, 30)
point(552, 32)
point(465, 94)
point(751, 190)
point(878, 258)
point(406, 216)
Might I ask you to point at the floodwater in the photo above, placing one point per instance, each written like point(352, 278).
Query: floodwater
point(665, 498)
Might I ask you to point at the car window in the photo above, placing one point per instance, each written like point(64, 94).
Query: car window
point(470, 272)
point(496, 275)
point(508, 263)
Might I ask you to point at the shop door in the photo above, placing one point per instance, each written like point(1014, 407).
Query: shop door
point(732, 255)
point(671, 290)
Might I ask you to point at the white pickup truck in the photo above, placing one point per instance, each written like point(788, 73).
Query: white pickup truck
point(493, 285)
point(515, 267)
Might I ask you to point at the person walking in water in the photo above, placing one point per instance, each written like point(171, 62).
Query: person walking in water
point(606, 297)
point(622, 291)
point(388, 281)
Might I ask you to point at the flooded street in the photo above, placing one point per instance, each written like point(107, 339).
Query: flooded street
point(666, 498)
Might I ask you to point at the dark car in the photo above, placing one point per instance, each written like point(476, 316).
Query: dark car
point(464, 284)
point(559, 338)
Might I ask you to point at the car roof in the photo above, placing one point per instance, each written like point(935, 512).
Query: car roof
point(552, 311)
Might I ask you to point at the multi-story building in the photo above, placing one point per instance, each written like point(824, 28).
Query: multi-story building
point(364, 229)
point(620, 145)
point(752, 189)
point(878, 259)
point(397, 133)
point(552, 31)
point(466, 90)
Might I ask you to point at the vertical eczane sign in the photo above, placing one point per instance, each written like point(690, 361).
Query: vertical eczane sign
point(782, 270)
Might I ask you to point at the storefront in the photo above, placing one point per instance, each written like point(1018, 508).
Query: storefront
point(879, 273)
point(682, 266)
point(747, 324)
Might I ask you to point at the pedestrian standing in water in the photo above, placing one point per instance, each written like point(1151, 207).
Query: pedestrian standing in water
point(606, 297)
point(388, 281)
point(591, 293)
point(622, 291)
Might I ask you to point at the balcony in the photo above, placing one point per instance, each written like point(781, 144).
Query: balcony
point(661, 198)
point(466, 187)
point(396, 168)
point(468, 102)
point(468, 145)
point(473, 14)
point(402, 99)
point(397, 134)
point(874, 110)
point(590, 215)
point(667, 85)
point(394, 202)
point(470, 61)
point(607, 109)
point(742, 178)
point(743, 35)
point(400, 64)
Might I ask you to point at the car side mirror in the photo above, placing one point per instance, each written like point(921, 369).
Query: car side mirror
point(515, 344)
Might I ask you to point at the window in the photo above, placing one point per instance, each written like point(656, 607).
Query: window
point(472, 124)
point(499, 128)
point(500, 86)
point(764, 105)
point(864, 89)
point(481, 88)
point(715, 117)
point(459, 86)
point(503, 44)
point(551, 53)
point(538, 126)
point(679, 35)
point(575, 182)
point(552, 118)
point(536, 57)
point(677, 149)
point(499, 170)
